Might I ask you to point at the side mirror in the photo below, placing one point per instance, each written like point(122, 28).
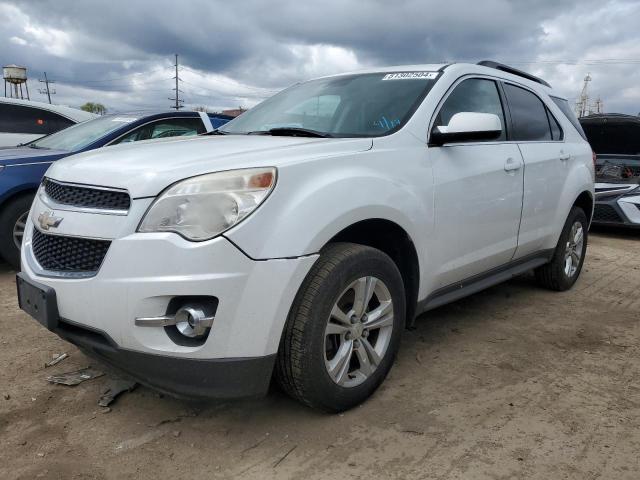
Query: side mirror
point(467, 127)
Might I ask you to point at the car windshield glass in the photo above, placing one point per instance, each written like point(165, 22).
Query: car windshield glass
point(366, 105)
point(83, 134)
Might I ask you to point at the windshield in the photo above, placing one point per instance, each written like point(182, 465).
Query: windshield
point(366, 105)
point(83, 134)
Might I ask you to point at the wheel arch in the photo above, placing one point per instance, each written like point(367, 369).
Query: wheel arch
point(585, 202)
point(13, 194)
point(390, 238)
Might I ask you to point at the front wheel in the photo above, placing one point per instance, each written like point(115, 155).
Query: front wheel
point(344, 328)
point(13, 220)
point(564, 269)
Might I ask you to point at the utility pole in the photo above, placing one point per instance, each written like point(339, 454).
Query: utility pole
point(178, 105)
point(46, 90)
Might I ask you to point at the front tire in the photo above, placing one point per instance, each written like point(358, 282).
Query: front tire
point(344, 328)
point(564, 269)
point(13, 218)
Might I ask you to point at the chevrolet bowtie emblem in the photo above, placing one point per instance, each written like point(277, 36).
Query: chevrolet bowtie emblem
point(48, 220)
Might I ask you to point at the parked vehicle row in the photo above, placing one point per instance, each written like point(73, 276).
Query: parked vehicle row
point(22, 168)
point(302, 237)
point(616, 140)
point(22, 121)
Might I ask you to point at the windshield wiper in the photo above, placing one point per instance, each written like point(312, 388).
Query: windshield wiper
point(33, 145)
point(291, 132)
point(217, 131)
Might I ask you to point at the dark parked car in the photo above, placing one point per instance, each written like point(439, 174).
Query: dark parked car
point(23, 121)
point(615, 138)
point(22, 168)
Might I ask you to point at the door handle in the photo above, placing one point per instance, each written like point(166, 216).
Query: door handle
point(564, 157)
point(511, 165)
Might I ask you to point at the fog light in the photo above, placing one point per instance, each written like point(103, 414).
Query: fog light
point(192, 321)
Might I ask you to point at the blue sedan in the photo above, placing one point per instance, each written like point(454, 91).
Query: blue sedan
point(22, 167)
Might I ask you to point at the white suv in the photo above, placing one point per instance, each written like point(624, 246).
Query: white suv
point(303, 237)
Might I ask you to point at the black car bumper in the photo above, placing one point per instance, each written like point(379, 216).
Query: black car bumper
point(608, 212)
point(176, 376)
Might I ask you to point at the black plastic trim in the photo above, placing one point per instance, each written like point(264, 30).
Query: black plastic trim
point(180, 377)
point(483, 281)
point(624, 220)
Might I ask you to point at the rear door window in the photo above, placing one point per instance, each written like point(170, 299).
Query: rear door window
point(528, 115)
point(31, 120)
point(21, 119)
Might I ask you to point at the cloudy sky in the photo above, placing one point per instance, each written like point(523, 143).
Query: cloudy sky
point(120, 53)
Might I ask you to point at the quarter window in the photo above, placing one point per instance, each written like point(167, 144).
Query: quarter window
point(528, 115)
point(473, 95)
point(556, 130)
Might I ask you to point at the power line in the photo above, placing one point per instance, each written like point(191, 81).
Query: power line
point(227, 82)
point(108, 80)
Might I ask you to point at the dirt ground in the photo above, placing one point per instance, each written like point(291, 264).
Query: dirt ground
point(514, 382)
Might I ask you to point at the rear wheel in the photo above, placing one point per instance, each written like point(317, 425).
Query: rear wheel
point(564, 269)
point(13, 221)
point(344, 328)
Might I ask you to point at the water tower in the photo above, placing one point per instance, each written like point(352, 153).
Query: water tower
point(15, 76)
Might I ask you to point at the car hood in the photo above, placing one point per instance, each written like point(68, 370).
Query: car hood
point(20, 155)
point(147, 169)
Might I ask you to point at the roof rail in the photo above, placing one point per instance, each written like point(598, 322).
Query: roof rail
point(513, 71)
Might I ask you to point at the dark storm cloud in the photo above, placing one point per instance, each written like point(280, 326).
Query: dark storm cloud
point(238, 52)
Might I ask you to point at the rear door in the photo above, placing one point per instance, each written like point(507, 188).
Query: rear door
point(478, 189)
point(546, 157)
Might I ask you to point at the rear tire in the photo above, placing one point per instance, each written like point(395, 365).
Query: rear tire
point(566, 264)
point(12, 222)
point(336, 350)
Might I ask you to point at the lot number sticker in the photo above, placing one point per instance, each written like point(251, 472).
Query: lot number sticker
point(410, 75)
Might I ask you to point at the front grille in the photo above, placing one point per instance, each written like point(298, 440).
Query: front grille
point(86, 197)
point(68, 254)
point(605, 213)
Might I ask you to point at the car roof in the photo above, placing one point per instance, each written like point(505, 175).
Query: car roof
point(74, 114)
point(485, 67)
point(164, 113)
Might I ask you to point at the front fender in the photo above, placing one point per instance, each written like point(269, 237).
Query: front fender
point(15, 180)
point(315, 201)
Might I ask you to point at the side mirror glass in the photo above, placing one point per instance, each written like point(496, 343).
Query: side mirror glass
point(467, 127)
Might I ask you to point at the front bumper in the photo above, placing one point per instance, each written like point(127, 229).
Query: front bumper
point(141, 274)
point(616, 209)
point(181, 377)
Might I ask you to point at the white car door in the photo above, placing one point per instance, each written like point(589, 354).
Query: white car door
point(547, 159)
point(478, 190)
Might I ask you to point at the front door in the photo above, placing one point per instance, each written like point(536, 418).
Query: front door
point(478, 191)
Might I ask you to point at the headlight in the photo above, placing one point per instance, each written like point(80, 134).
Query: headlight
point(199, 208)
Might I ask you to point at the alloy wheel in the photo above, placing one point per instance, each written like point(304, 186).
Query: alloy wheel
point(18, 229)
point(573, 252)
point(358, 331)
